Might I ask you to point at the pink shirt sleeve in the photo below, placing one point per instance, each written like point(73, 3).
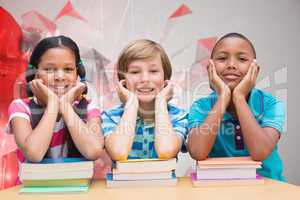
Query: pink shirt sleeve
point(18, 108)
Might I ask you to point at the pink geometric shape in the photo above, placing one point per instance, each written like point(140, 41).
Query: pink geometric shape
point(201, 53)
point(7, 143)
point(204, 48)
point(33, 21)
point(208, 42)
point(181, 11)
point(69, 11)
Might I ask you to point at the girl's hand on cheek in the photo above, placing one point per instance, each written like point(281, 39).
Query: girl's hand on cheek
point(44, 95)
point(73, 94)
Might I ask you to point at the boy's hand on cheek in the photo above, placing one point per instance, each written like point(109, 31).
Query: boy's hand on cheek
point(167, 92)
point(217, 84)
point(124, 94)
point(247, 83)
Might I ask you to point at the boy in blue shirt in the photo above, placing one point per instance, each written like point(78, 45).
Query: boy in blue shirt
point(236, 119)
point(145, 125)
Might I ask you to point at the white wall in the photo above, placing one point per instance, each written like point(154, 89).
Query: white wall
point(272, 25)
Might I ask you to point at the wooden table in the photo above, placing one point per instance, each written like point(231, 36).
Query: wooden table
point(184, 190)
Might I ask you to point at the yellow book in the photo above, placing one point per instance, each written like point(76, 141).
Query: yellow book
point(144, 165)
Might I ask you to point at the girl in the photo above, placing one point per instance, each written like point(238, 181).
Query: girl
point(56, 120)
point(236, 119)
point(145, 125)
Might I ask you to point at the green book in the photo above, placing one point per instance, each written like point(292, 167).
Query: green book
point(37, 189)
point(56, 183)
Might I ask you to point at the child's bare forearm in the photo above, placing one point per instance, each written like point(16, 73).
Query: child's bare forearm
point(201, 139)
point(86, 136)
point(167, 142)
point(119, 143)
point(37, 141)
point(260, 141)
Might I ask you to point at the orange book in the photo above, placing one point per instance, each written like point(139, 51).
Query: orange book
point(224, 161)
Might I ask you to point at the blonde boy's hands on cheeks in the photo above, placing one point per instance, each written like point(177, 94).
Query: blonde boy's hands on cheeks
point(216, 83)
point(44, 95)
point(241, 91)
point(167, 92)
point(127, 97)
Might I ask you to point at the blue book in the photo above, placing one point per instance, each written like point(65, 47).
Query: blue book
point(61, 160)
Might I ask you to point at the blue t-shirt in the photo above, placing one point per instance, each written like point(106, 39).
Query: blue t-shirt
point(143, 144)
point(268, 112)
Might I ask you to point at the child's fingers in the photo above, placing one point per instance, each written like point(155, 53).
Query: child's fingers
point(118, 87)
point(78, 89)
point(122, 82)
point(255, 72)
point(252, 70)
point(209, 70)
point(166, 83)
point(33, 86)
point(213, 70)
point(36, 85)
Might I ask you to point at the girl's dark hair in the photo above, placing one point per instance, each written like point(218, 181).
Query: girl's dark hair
point(37, 111)
point(233, 35)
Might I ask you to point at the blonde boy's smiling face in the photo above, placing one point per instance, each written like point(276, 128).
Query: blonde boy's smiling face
point(57, 69)
point(232, 58)
point(145, 78)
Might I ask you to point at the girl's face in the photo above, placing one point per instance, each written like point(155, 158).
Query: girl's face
point(145, 78)
point(232, 58)
point(57, 69)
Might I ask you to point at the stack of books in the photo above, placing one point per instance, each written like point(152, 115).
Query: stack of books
point(227, 171)
point(56, 175)
point(142, 172)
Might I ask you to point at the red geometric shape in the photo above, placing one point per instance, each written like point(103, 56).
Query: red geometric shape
point(12, 62)
point(181, 11)
point(208, 43)
point(10, 36)
point(69, 10)
point(33, 21)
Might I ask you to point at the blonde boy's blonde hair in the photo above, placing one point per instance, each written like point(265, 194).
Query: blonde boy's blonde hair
point(140, 50)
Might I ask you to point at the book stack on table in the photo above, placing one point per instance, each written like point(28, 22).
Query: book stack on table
point(56, 175)
point(227, 171)
point(142, 172)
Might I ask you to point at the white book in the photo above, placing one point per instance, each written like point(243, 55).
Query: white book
point(226, 173)
point(228, 166)
point(57, 175)
point(226, 182)
point(56, 167)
